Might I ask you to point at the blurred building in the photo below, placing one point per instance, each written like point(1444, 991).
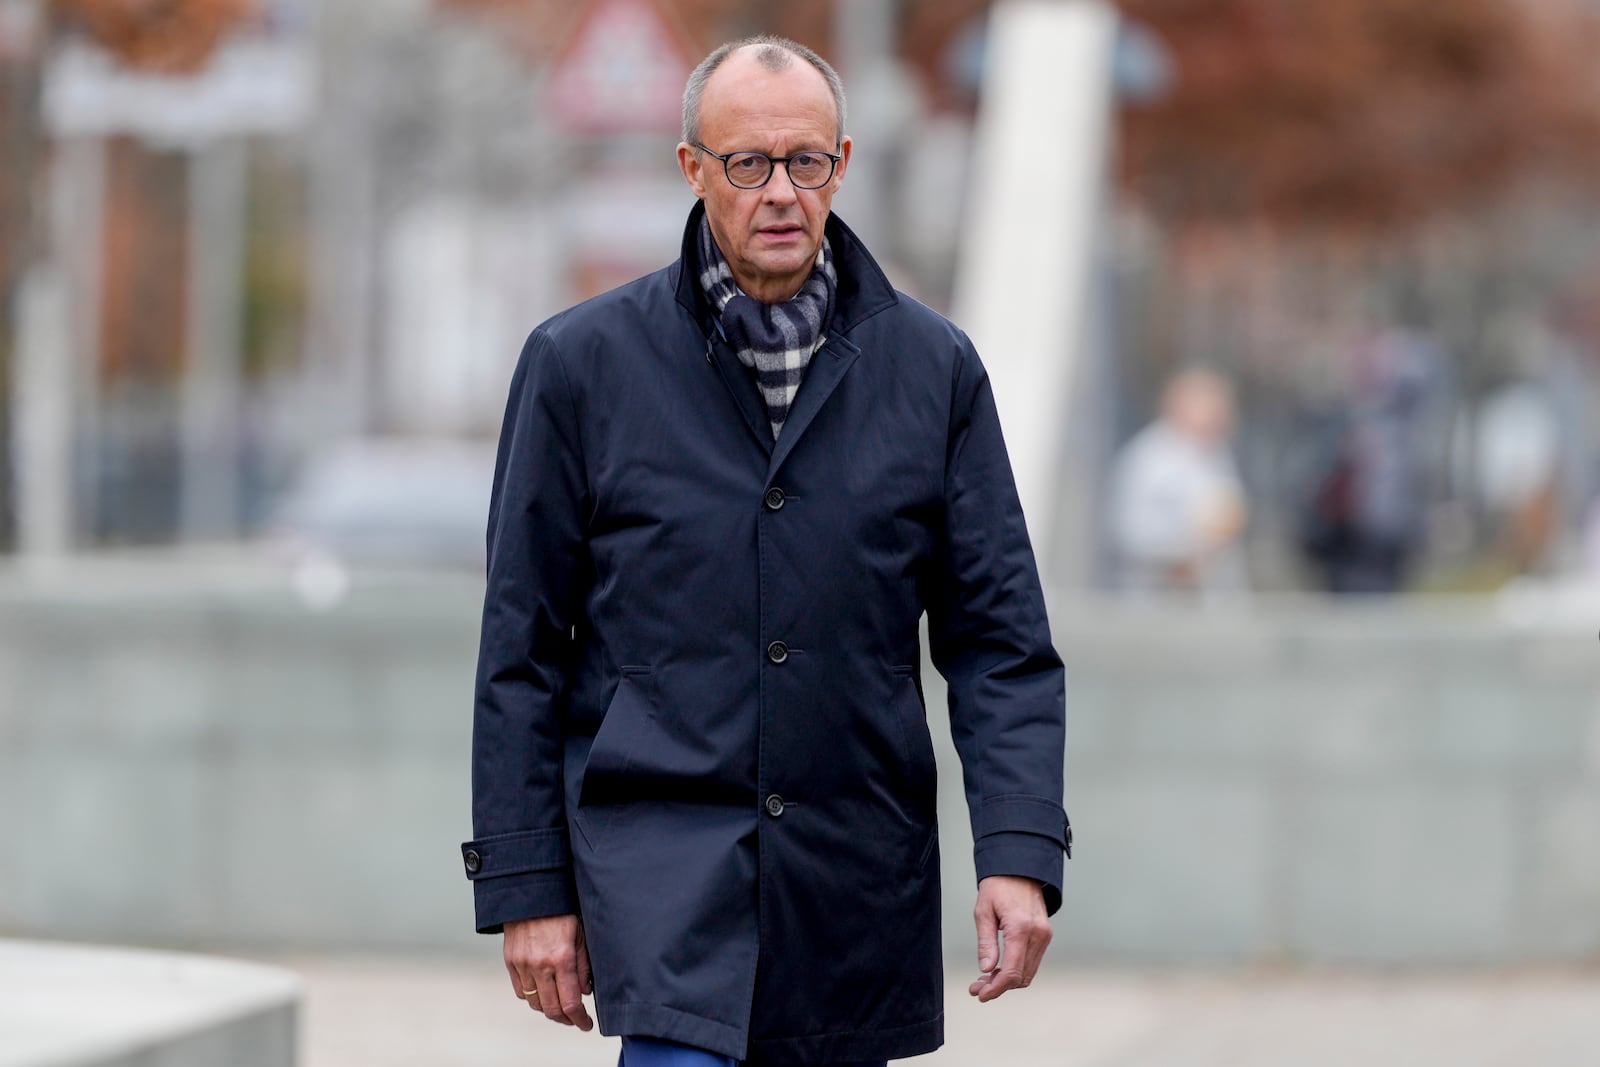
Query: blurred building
point(337, 221)
point(340, 220)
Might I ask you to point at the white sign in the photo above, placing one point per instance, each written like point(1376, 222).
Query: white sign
point(622, 71)
point(249, 86)
point(20, 25)
point(1028, 302)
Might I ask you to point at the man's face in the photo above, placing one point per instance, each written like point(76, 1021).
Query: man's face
point(769, 235)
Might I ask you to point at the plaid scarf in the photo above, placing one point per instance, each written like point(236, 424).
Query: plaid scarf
point(775, 340)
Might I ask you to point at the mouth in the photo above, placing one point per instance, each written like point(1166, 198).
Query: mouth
point(781, 232)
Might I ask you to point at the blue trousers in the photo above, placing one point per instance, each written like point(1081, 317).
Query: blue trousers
point(649, 1052)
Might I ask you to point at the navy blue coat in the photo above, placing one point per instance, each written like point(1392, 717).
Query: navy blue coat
point(699, 720)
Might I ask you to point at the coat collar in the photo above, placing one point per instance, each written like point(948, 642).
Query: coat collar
point(863, 289)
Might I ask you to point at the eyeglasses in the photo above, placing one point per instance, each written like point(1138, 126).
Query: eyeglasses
point(752, 170)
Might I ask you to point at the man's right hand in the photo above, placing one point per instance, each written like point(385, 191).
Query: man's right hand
point(549, 966)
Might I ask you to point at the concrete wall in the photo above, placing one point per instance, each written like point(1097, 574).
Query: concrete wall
point(1335, 785)
point(202, 759)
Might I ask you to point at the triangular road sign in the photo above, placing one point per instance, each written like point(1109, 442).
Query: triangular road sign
point(622, 71)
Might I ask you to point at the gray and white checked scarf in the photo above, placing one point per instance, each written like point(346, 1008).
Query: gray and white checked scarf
point(775, 340)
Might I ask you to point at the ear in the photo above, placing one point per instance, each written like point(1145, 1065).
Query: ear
point(843, 164)
point(693, 166)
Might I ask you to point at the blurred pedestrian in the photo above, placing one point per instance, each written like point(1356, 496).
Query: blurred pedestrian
point(1178, 506)
point(1519, 472)
point(726, 493)
point(1364, 517)
point(1533, 448)
point(1590, 544)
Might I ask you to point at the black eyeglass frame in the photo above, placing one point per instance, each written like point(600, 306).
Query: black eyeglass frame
point(772, 165)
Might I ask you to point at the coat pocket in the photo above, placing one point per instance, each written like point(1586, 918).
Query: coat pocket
point(614, 751)
point(916, 744)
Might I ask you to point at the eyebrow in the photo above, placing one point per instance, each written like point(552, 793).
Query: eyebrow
point(774, 155)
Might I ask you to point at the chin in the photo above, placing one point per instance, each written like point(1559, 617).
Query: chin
point(787, 263)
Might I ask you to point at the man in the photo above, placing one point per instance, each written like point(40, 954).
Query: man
point(703, 786)
point(1177, 503)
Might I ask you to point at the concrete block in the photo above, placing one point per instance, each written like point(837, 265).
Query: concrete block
point(73, 1004)
point(112, 845)
point(1394, 783)
point(1561, 914)
point(1402, 871)
point(1206, 725)
point(1502, 724)
point(153, 694)
point(15, 836)
point(59, 695)
point(11, 716)
point(1566, 654)
point(1097, 717)
point(1355, 723)
point(372, 841)
point(1129, 640)
point(425, 697)
point(1591, 737)
point(322, 703)
point(1167, 866)
point(1352, 641)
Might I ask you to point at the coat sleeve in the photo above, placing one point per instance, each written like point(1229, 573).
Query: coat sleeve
point(989, 637)
point(520, 860)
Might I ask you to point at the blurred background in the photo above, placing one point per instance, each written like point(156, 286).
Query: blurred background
point(1318, 502)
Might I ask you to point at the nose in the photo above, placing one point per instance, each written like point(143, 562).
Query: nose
point(779, 189)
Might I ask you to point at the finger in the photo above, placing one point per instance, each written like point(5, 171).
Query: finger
point(988, 936)
point(558, 977)
point(550, 999)
point(527, 987)
point(570, 998)
point(989, 977)
point(521, 981)
point(1009, 974)
point(1036, 946)
point(987, 987)
point(516, 983)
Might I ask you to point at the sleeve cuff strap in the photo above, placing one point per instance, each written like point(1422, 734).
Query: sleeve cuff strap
point(1019, 813)
point(534, 895)
point(1026, 856)
point(518, 853)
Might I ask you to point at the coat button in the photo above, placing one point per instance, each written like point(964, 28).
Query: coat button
point(474, 861)
point(777, 652)
point(773, 499)
point(774, 805)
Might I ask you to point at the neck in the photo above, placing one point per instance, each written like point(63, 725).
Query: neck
point(770, 290)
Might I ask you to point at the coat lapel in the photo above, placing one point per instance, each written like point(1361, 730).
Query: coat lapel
point(827, 368)
point(745, 392)
point(863, 292)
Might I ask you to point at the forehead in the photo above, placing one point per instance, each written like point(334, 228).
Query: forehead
point(748, 106)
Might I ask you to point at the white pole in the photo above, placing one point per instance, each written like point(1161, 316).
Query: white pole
point(42, 417)
point(1024, 283)
point(66, 311)
point(340, 378)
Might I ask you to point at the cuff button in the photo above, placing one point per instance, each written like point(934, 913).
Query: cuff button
point(474, 861)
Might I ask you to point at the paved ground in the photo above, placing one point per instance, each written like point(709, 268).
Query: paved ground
point(437, 1013)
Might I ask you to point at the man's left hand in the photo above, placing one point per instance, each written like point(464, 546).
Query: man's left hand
point(1010, 915)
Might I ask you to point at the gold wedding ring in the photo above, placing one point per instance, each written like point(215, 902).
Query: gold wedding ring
point(530, 992)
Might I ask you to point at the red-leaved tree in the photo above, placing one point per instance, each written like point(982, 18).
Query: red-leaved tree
point(1360, 112)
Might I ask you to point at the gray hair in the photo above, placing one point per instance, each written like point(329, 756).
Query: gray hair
point(772, 52)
